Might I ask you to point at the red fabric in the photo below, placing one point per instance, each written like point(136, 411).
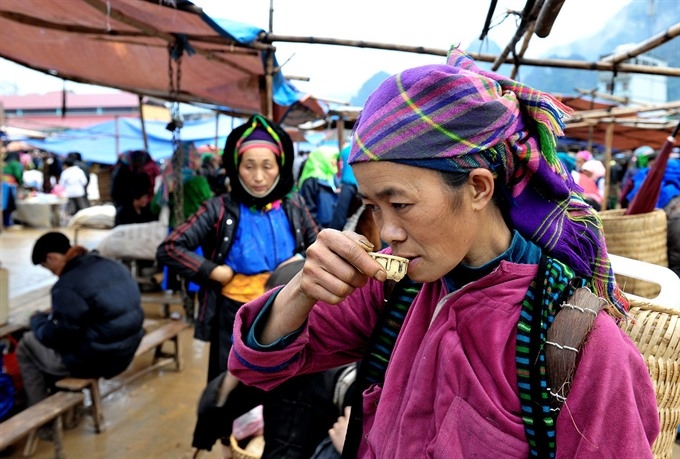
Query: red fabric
point(10, 365)
point(646, 198)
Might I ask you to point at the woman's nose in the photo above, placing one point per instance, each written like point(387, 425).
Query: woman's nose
point(391, 232)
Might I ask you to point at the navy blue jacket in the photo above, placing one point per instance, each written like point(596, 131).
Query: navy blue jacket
point(96, 318)
point(321, 200)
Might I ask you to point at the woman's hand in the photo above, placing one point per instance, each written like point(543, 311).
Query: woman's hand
point(337, 263)
point(339, 430)
point(222, 274)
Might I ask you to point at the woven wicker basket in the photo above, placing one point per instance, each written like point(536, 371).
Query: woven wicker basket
point(641, 237)
point(655, 330)
point(257, 443)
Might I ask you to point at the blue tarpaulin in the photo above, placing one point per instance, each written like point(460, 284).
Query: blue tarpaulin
point(100, 143)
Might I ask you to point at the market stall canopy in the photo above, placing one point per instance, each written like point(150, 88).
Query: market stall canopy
point(631, 126)
point(100, 143)
point(10, 133)
point(127, 45)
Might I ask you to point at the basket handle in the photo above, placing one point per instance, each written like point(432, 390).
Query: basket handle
point(649, 272)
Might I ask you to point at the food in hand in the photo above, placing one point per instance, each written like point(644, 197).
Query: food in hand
point(393, 265)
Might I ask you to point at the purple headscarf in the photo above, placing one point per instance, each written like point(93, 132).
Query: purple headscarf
point(457, 117)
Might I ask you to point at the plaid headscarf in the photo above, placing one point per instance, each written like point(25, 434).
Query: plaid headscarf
point(458, 117)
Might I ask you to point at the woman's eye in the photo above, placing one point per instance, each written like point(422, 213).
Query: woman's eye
point(398, 206)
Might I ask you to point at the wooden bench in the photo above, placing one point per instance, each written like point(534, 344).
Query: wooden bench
point(152, 341)
point(28, 421)
point(165, 299)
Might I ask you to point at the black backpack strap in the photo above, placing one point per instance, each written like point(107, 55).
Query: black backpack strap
point(371, 369)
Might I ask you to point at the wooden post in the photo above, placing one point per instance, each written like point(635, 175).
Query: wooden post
point(609, 139)
point(117, 137)
point(217, 128)
point(141, 118)
point(341, 132)
point(269, 85)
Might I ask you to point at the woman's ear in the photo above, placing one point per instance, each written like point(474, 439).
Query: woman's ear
point(482, 184)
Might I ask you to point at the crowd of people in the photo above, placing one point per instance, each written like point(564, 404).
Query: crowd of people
point(26, 172)
point(453, 169)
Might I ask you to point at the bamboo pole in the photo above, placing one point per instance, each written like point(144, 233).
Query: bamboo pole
point(487, 21)
point(558, 63)
point(217, 129)
point(525, 45)
point(269, 85)
point(529, 16)
point(117, 136)
point(608, 141)
point(340, 125)
point(546, 17)
point(143, 123)
point(627, 122)
point(595, 93)
point(620, 111)
point(651, 43)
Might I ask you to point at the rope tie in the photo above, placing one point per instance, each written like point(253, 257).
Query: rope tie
point(559, 346)
point(578, 308)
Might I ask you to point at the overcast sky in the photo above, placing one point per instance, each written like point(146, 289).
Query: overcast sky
point(337, 72)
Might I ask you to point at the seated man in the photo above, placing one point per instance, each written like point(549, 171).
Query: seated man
point(94, 325)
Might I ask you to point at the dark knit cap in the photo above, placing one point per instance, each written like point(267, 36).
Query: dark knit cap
point(49, 243)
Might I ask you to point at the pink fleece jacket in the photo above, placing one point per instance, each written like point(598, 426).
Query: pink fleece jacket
point(450, 389)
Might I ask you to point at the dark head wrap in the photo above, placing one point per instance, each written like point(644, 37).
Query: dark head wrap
point(259, 129)
point(457, 117)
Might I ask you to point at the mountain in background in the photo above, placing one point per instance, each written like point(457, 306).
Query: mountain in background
point(634, 24)
point(367, 88)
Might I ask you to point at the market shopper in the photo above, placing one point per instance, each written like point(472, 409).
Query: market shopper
point(195, 191)
point(137, 208)
point(320, 185)
point(244, 234)
point(74, 181)
point(459, 167)
point(94, 325)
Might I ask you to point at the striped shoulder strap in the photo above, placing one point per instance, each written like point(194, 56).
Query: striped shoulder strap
point(553, 284)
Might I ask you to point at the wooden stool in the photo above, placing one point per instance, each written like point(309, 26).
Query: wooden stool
point(91, 385)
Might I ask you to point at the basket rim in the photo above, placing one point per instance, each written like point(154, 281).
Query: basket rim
point(238, 450)
point(649, 306)
point(621, 213)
